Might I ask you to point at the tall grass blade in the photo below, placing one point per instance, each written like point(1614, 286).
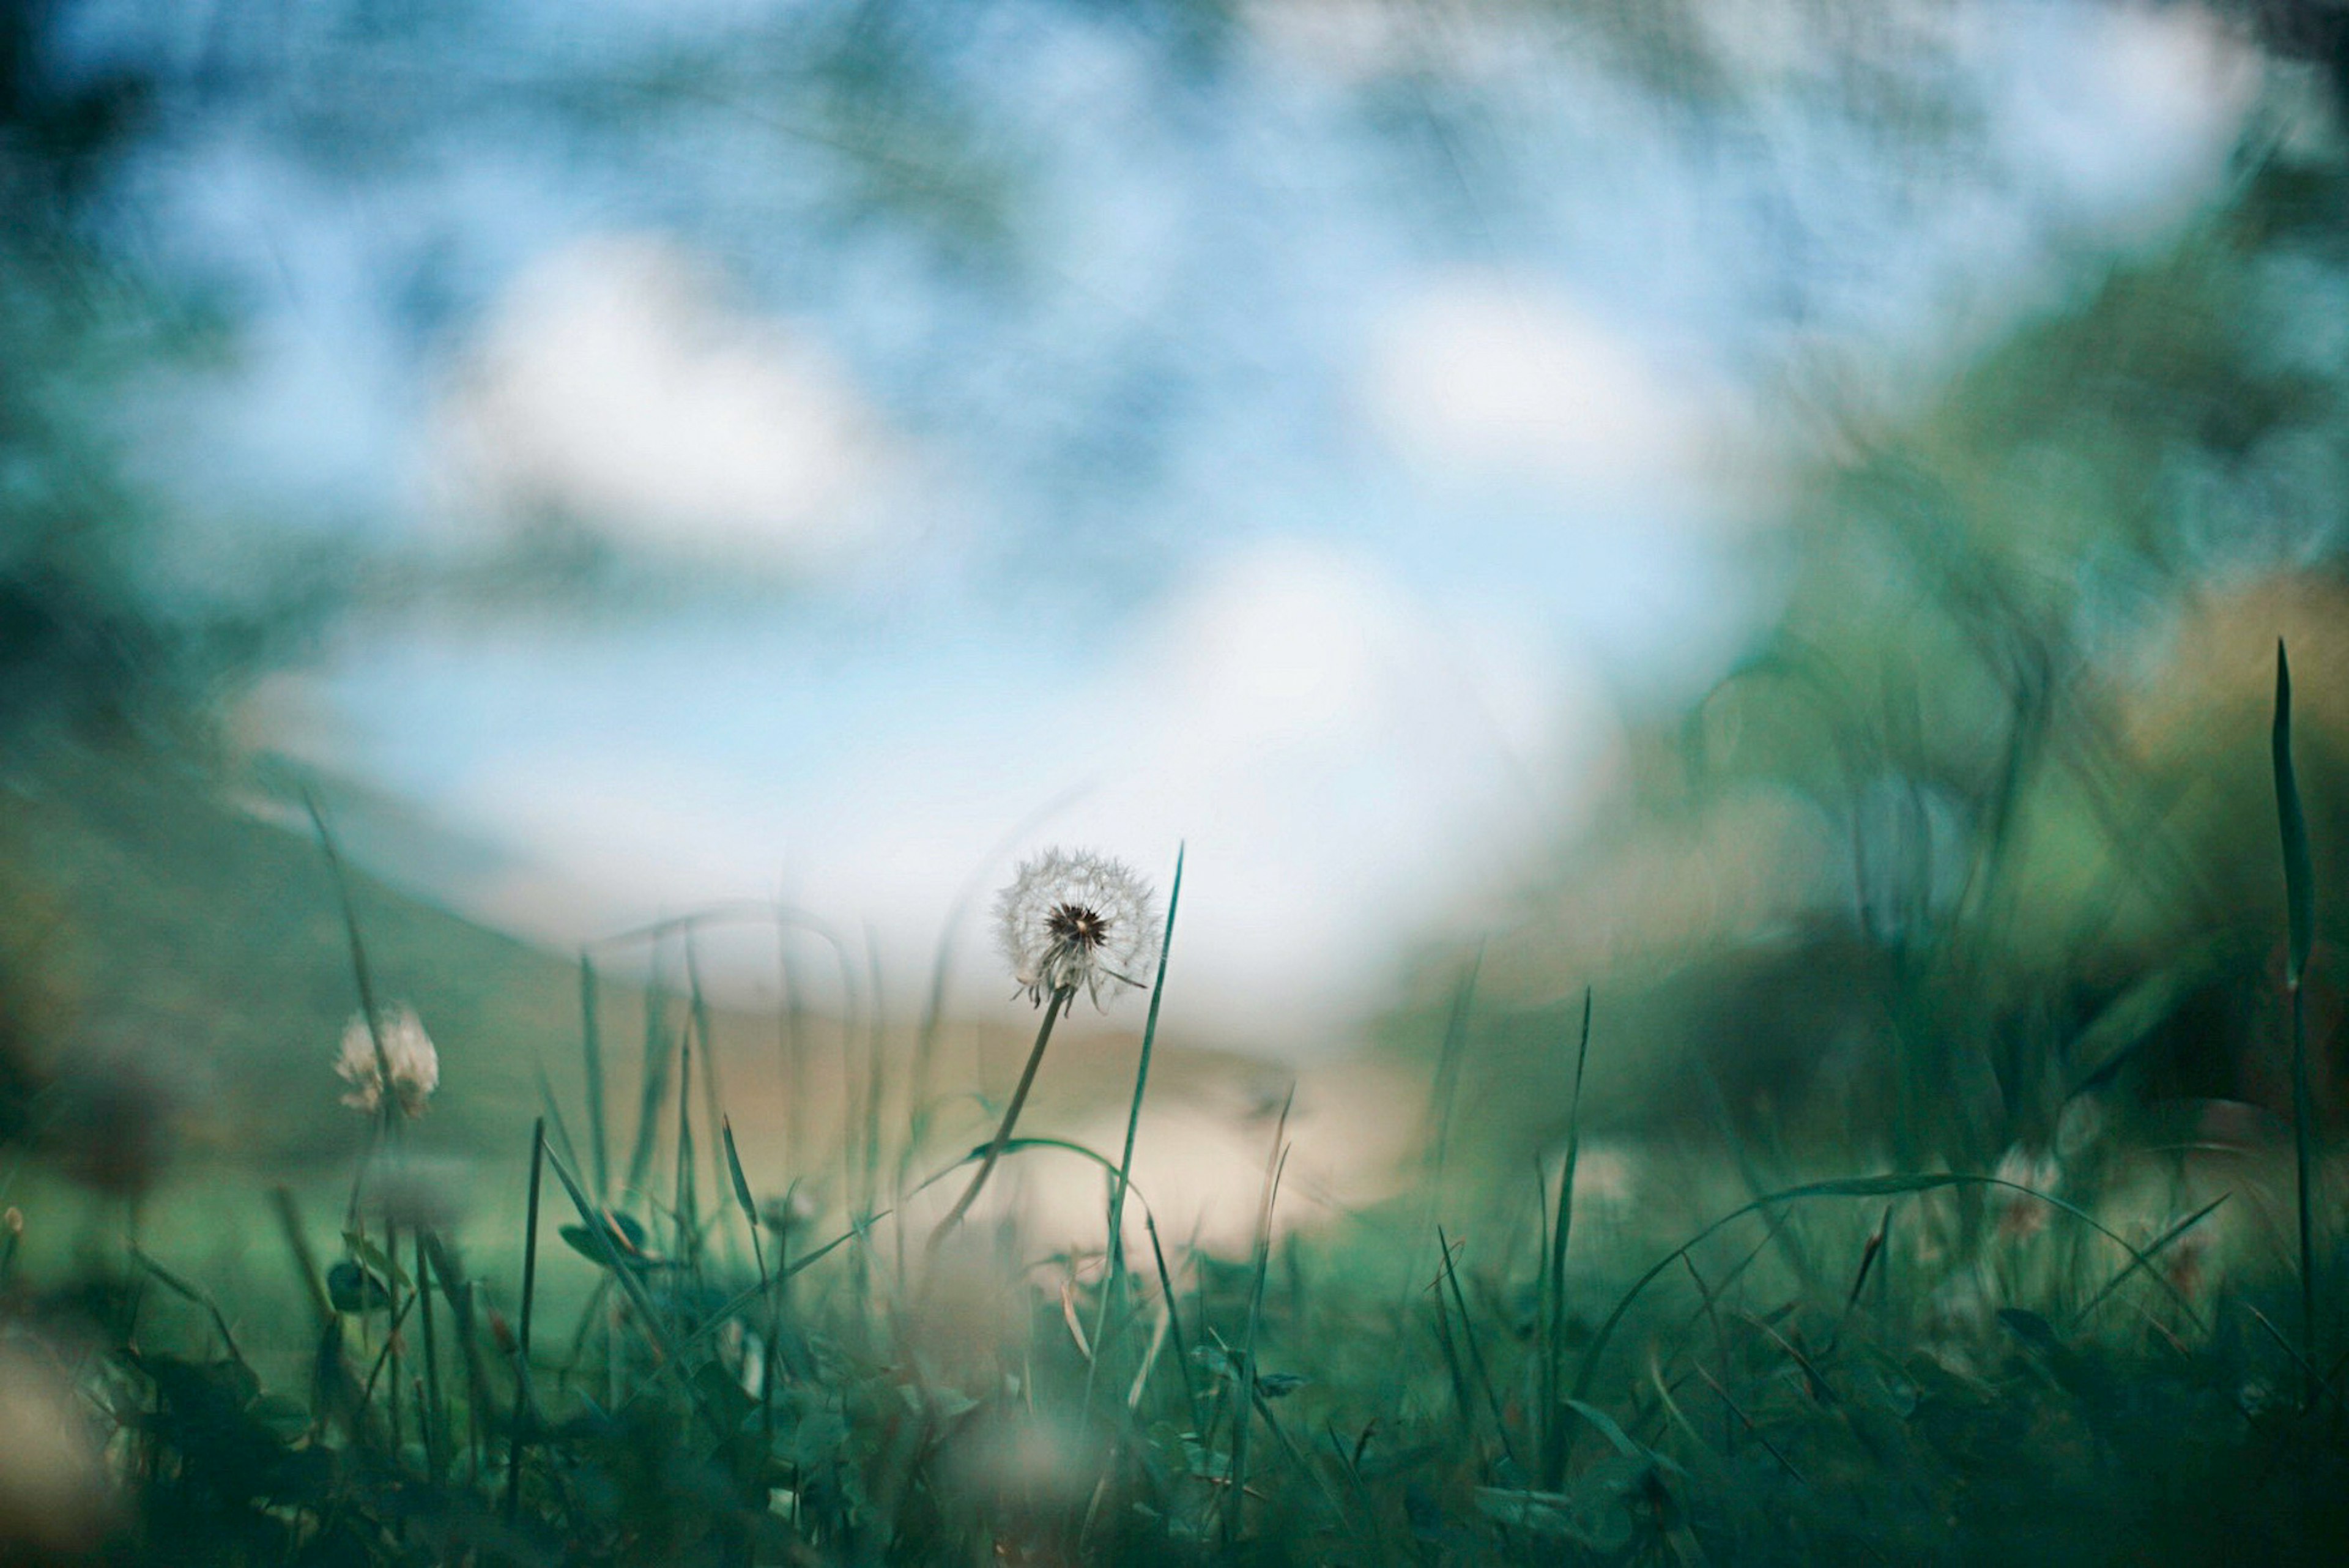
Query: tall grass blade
point(591, 1051)
point(654, 1094)
point(1554, 1316)
point(362, 975)
point(306, 1262)
point(1244, 1394)
point(550, 1112)
point(2300, 899)
point(1476, 1352)
point(1142, 1076)
point(1113, 1284)
point(1174, 1316)
point(688, 1200)
point(518, 1438)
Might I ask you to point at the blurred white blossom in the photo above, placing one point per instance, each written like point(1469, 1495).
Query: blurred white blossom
point(407, 1052)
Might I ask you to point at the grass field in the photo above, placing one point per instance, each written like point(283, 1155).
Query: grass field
point(624, 1308)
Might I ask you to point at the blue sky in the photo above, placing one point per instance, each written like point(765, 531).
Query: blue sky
point(1313, 455)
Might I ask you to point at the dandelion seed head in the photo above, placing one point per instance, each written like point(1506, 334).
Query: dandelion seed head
point(408, 1052)
point(1073, 920)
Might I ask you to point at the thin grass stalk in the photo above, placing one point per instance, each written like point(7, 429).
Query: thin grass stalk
point(591, 1051)
point(361, 975)
point(551, 1109)
point(1442, 1089)
point(653, 1090)
point(444, 1266)
point(1552, 1438)
point(688, 1201)
point(1142, 1079)
point(1476, 1355)
point(518, 1437)
point(790, 1062)
point(713, 1094)
point(429, 1405)
point(391, 1340)
point(1115, 1277)
point(1174, 1318)
point(1243, 1374)
point(876, 1062)
point(306, 1262)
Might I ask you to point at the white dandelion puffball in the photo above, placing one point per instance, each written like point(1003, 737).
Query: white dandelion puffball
point(407, 1050)
point(1072, 920)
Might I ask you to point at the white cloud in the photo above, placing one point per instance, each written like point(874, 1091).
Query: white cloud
point(618, 387)
point(1489, 376)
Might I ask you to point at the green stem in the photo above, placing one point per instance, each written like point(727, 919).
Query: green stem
point(1010, 1117)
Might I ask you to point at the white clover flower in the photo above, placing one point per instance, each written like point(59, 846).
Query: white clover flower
point(415, 1065)
point(1072, 920)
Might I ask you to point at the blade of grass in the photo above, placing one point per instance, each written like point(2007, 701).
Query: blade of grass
point(306, 1262)
point(688, 1199)
point(1115, 1241)
point(1174, 1314)
point(361, 975)
point(2153, 1249)
point(1468, 1338)
point(429, 1405)
point(1551, 1440)
point(1243, 1401)
point(591, 1051)
point(550, 1114)
point(742, 1194)
point(190, 1292)
point(524, 1416)
point(1142, 1073)
point(2300, 899)
point(654, 1093)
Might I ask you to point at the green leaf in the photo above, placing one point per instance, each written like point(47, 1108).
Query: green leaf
point(734, 1168)
point(622, 1239)
point(353, 1289)
point(373, 1258)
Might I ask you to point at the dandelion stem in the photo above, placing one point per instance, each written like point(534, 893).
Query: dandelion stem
point(1053, 1011)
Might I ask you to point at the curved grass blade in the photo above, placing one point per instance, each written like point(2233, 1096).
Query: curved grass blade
point(1852, 1187)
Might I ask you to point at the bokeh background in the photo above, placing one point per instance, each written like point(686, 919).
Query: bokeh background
point(1778, 511)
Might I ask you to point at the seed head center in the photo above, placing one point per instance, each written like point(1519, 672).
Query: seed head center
point(1077, 925)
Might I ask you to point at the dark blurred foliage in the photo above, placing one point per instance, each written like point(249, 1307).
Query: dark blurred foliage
point(101, 641)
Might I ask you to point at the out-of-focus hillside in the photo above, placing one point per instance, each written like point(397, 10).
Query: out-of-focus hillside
point(206, 946)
